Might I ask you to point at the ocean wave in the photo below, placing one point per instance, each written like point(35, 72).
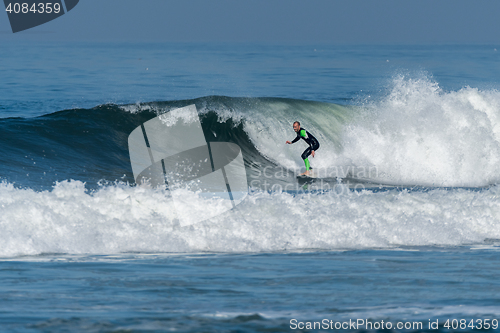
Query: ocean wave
point(417, 134)
point(118, 218)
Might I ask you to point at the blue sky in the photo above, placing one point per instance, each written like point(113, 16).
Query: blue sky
point(272, 21)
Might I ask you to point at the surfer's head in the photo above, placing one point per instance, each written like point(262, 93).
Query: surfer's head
point(296, 126)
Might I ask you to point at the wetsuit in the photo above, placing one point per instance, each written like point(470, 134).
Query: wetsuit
point(311, 141)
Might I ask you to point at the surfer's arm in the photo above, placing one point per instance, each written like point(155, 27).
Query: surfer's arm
point(297, 138)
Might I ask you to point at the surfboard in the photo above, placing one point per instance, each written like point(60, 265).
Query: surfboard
point(312, 175)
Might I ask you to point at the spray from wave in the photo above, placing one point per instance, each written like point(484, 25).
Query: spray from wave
point(121, 218)
point(419, 134)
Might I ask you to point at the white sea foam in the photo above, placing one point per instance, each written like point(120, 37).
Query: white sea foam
point(420, 134)
point(120, 218)
point(417, 134)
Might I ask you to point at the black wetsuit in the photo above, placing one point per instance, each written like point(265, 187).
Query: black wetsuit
point(310, 140)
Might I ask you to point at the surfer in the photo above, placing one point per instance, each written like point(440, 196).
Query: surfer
point(309, 139)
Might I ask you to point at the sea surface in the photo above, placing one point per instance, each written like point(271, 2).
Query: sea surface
point(401, 233)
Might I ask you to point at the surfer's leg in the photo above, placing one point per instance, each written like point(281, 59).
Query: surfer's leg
point(306, 161)
point(308, 166)
point(305, 156)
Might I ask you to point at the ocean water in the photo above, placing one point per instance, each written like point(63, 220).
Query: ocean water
point(402, 229)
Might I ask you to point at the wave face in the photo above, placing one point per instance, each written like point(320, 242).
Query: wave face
point(68, 186)
point(91, 145)
point(417, 134)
